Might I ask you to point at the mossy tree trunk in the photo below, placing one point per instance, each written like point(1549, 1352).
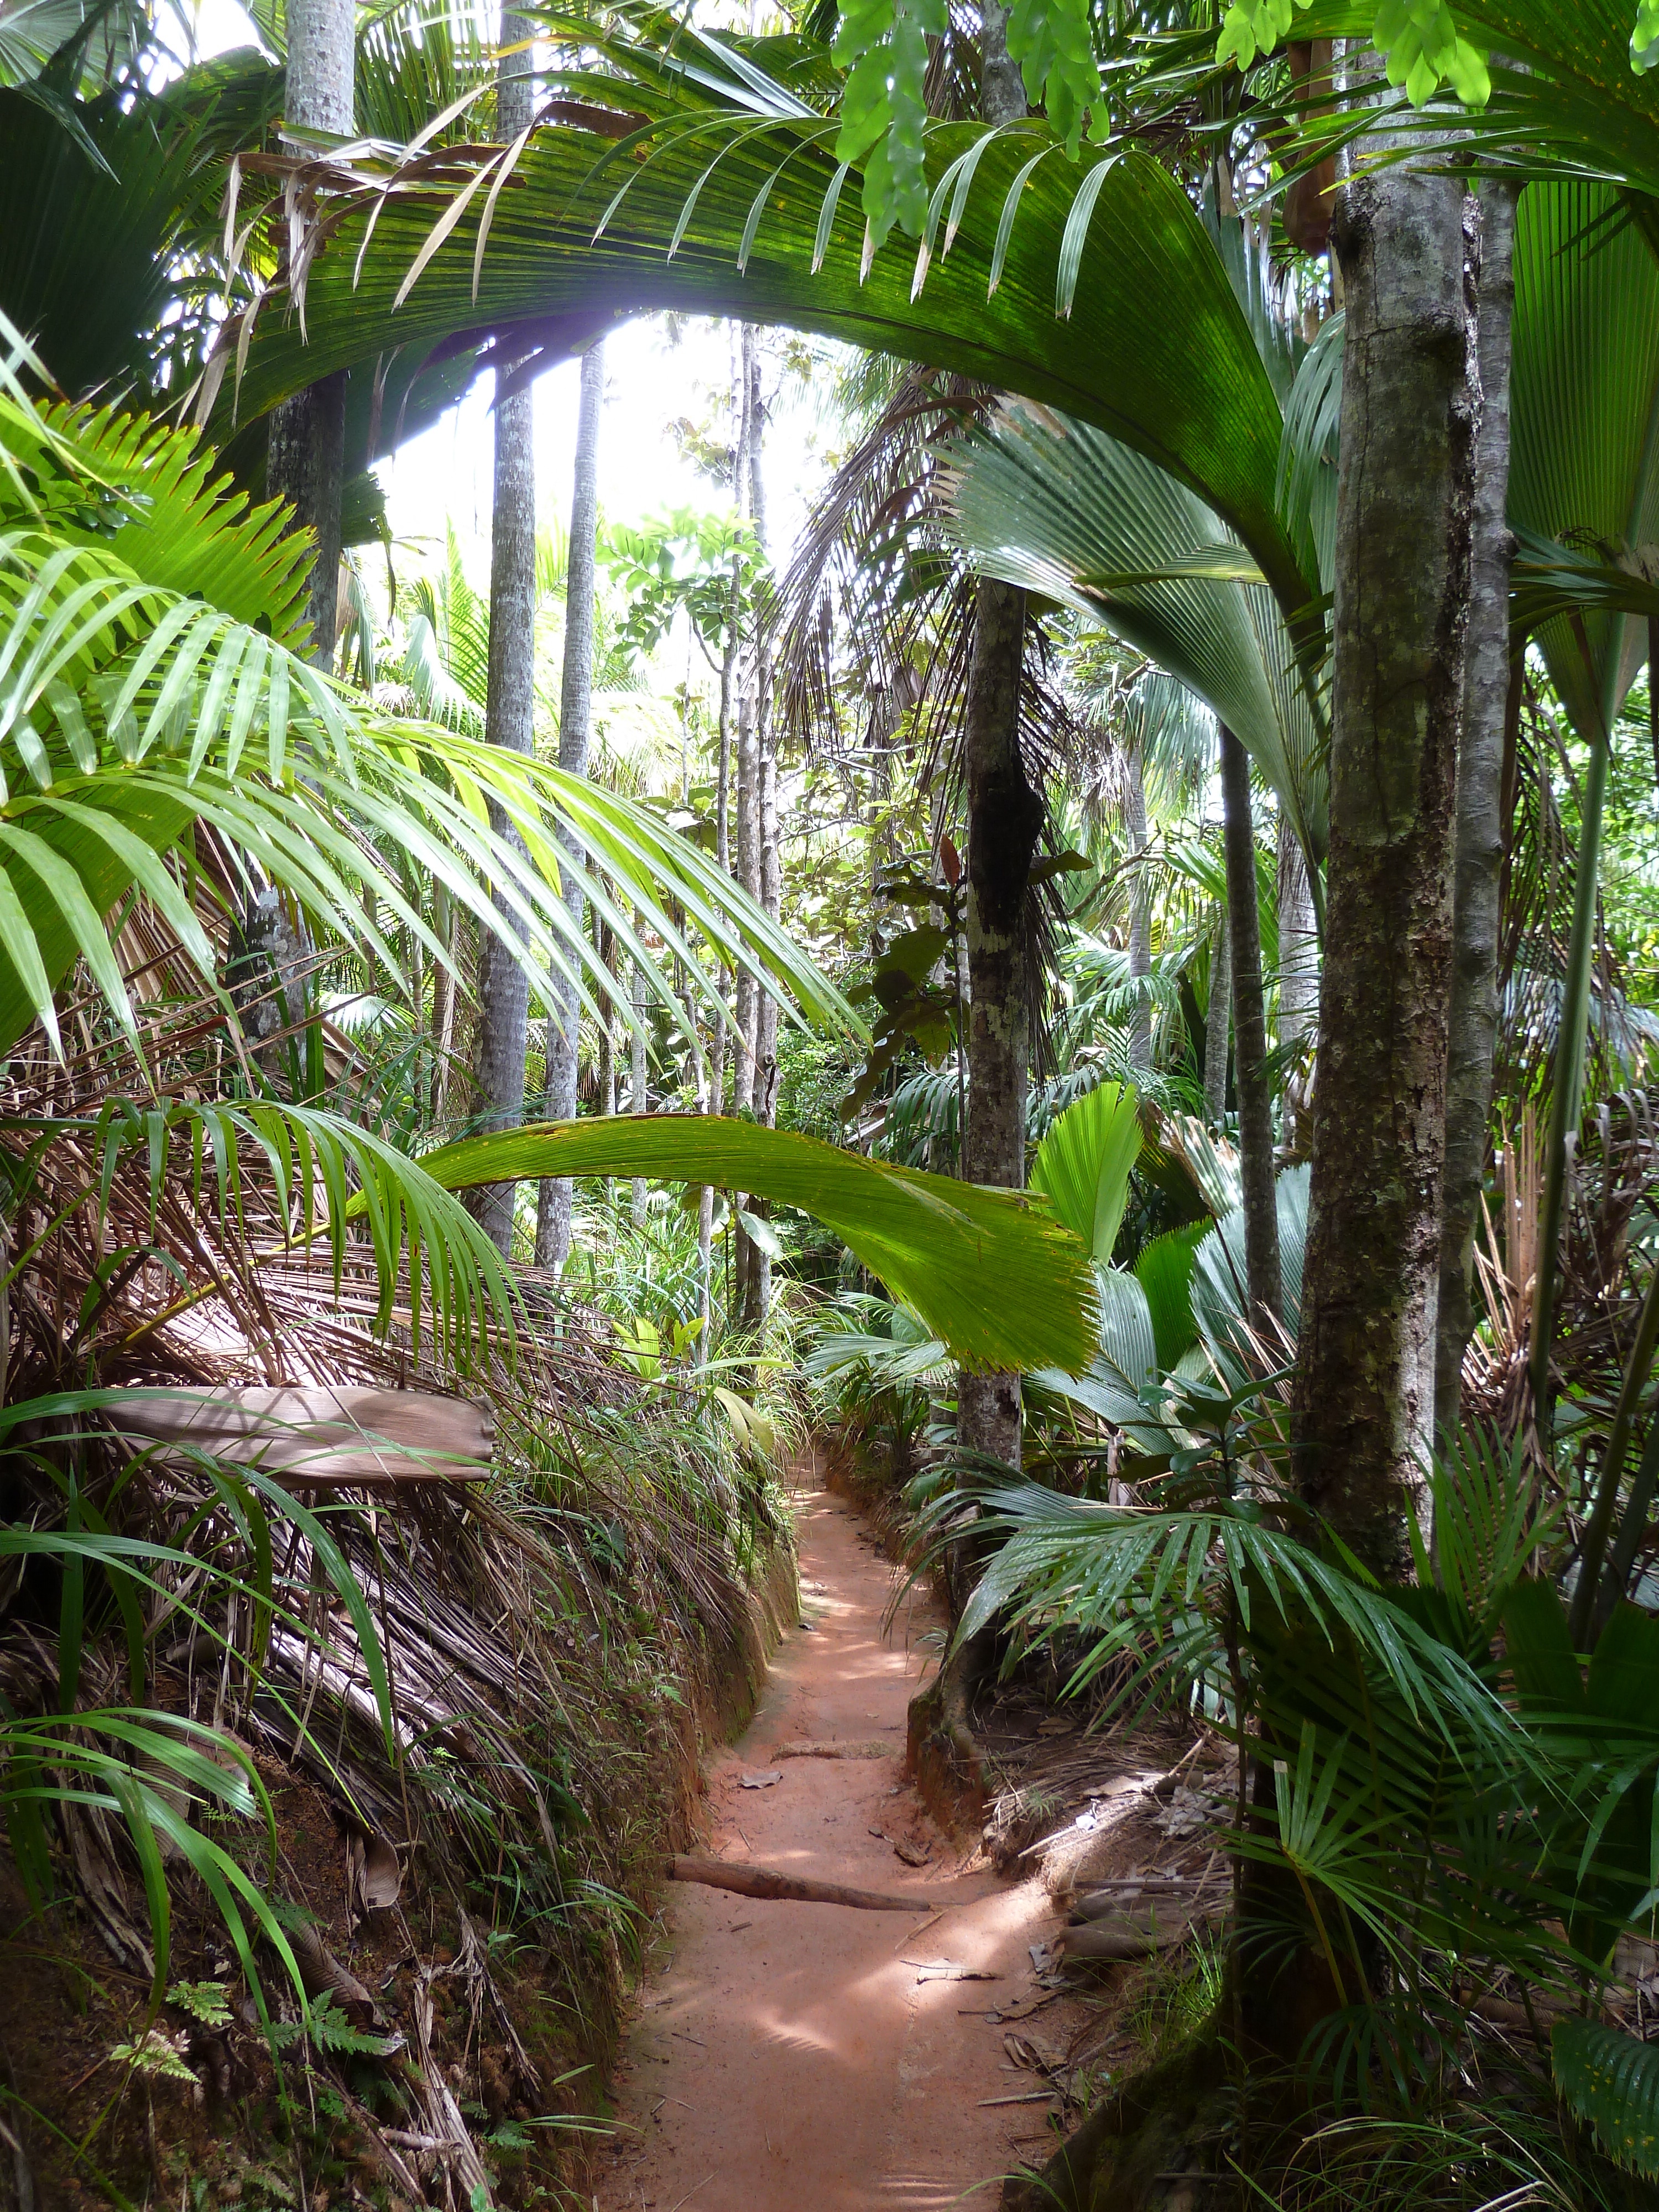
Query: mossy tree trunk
point(1481, 830)
point(502, 1031)
point(306, 455)
point(1365, 1387)
point(576, 731)
point(1256, 1106)
point(1005, 819)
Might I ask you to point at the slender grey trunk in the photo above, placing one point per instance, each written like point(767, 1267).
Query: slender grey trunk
point(606, 948)
point(731, 665)
point(576, 724)
point(306, 457)
point(1216, 1023)
point(754, 1265)
point(1001, 89)
point(747, 872)
point(1005, 819)
point(503, 1015)
point(1364, 1400)
point(729, 660)
point(1298, 983)
point(1255, 1105)
point(638, 1102)
point(748, 760)
point(305, 460)
point(1140, 914)
point(443, 1002)
point(1480, 827)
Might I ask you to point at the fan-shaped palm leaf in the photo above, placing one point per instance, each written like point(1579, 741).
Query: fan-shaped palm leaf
point(1082, 1165)
point(1059, 506)
point(1585, 466)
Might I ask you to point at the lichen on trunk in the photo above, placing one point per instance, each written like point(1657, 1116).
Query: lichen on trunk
point(1365, 1387)
point(1489, 692)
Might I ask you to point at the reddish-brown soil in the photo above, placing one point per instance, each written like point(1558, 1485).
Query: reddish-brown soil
point(788, 2057)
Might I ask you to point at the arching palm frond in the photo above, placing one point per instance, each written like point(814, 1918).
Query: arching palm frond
point(934, 1242)
point(1064, 299)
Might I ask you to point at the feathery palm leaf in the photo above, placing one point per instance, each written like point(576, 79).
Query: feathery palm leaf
point(150, 680)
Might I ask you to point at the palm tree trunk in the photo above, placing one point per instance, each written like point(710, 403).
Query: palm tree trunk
point(1216, 1023)
point(1255, 1105)
point(1299, 981)
point(443, 1002)
point(503, 1017)
point(1005, 819)
point(306, 456)
point(756, 1263)
point(747, 761)
point(1571, 1041)
point(606, 950)
point(1141, 915)
point(1363, 1397)
point(575, 722)
point(1480, 829)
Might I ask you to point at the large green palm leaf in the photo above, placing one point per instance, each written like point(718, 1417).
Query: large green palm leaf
point(107, 207)
point(1034, 275)
point(1584, 463)
point(935, 1243)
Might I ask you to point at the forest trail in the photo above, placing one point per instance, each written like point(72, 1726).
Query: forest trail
point(788, 2057)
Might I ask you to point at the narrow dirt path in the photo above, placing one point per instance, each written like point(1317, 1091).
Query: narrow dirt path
point(790, 2058)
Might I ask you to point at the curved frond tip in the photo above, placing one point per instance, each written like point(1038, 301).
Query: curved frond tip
point(991, 1272)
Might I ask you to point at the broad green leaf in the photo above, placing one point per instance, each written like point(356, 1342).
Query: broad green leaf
point(1083, 1166)
point(1188, 389)
point(1164, 1271)
point(1058, 506)
point(1584, 408)
point(991, 1272)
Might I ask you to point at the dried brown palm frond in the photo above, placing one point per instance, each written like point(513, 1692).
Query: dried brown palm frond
point(1613, 1180)
point(524, 1631)
point(1539, 887)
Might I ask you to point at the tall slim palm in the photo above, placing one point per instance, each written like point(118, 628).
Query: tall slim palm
point(307, 433)
point(575, 726)
point(502, 1031)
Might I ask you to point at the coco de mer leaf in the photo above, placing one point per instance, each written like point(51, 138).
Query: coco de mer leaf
point(990, 1272)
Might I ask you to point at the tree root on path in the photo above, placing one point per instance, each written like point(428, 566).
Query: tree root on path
point(769, 1881)
point(941, 1753)
point(1153, 2147)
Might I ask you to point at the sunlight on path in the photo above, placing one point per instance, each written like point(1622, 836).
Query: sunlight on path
point(788, 2059)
